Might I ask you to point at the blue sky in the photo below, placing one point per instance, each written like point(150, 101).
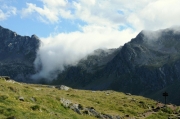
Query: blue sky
point(71, 29)
point(31, 24)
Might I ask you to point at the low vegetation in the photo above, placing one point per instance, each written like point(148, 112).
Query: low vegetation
point(32, 101)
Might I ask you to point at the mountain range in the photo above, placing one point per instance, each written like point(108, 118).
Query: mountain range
point(148, 65)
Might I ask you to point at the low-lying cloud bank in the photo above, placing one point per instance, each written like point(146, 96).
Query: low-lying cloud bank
point(68, 48)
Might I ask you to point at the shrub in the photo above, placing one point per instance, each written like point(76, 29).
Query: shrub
point(167, 110)
point(35, 107)
point(3, 97)
point(13, 89)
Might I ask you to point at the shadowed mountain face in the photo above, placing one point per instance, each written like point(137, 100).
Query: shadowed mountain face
point(17, 54)
point(146, 65)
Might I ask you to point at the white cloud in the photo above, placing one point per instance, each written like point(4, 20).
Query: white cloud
point(98, 12)
point(44, 12)
point(7, 11)
point(55, 3)
point(142, 14)
point(51, 11)
point(2, 15)
point(156, 15)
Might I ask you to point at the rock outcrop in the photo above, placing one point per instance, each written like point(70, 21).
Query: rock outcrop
point(63, 87)
point(78, 108)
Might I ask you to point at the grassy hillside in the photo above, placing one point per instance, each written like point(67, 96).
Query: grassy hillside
point(29, 101)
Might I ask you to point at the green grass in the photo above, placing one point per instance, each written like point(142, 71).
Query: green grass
point(159, 115)
point(42, 102)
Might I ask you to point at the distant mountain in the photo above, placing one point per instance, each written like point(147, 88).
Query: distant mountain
point(17, 54)
point(146, 65)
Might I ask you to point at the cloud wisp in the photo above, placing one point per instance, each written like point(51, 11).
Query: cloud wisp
point(6, 12)
point(51, 12)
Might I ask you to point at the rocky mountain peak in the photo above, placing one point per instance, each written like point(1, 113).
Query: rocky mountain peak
point(17, 53)
point(34, 36)
point(139, 38)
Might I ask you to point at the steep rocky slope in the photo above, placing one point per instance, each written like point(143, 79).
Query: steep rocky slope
point(147, 64)
point(17, 54)
point(151, 63)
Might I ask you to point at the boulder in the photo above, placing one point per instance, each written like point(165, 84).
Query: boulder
point(21, 98)
point(63, 87)
point(5, 77)
point(75, 107)
point(128, 94)
point(65, 102)
point(91, 111)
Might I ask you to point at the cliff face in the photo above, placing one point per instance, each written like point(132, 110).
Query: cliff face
point(147, 64)
point(17, 54)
